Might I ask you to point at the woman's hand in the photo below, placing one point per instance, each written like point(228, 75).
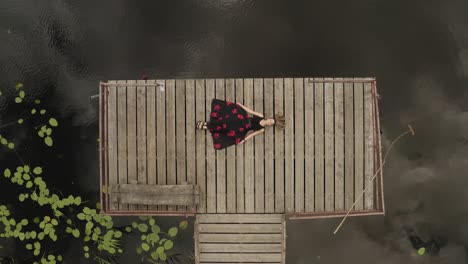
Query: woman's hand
point(242, 142)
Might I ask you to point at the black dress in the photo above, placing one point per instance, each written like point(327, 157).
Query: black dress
point(230, 123)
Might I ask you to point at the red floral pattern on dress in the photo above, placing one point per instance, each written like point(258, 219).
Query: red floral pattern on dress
point(240, 116)
point(228, 103)
point(218, 128)
point(226, 116)
point(211, 130)
point(217, 146)
point(241, 129)
point(234, 111)
point(224, 126)
point(238, 140)
point(231, 133)
point(247, 126)
point(220, 118)
point(216, 135)
point(217, 107)
point(214, 114)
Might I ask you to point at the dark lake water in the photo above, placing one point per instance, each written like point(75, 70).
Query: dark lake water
point(417, 50)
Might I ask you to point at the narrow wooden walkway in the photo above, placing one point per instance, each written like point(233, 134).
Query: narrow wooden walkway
point(317, 166)
point(240, 238)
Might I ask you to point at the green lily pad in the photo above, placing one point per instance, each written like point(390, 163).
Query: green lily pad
point(43, 111)
point(19, 86)
point(145, 247)
point(173, 231)
point(421, 251)
point(11, 145)
point(76, 233)
point(53, 122)
point(48, 141)
point(7, 173)
point(33, 111)
point(168, 244)
point(183, 224)
point(37, 171)
point(21, 94)
point(3, 141)
point(143, 228)
point(37, 101)
point(20, 121)
point(18, 100)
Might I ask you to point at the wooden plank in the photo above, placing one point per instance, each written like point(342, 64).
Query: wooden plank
point(220, 160)
point(249, 179)
point(299, 144)
point(359, 144)
point(369, 147)
point(112, 139)
point(200, 137)
point(244, 248)
point(190, 132)
point(132, 135)
point(154, 189)
point(289, 144)
point(279, 148)
point(240, 192)
point(259, 151)
point(171, 135)
point(181, 173)
point(349, 144)
point(196, 251)
point(309, 145)
point(151, 143)
point(210, 153)
point(240, 218)
point(230, 158)
point(339, 147)
point(269, 148)
point(238, 262)
point(163, 199)
point(329, 150)
point(241, 228)
point(241, 238)
point(221, 257)
point(319, 147)
point(122, 135)
point(142, 176)
point(161, 134)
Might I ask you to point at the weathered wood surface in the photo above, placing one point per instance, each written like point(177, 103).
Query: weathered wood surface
point(247, 238)
point(318, 163)
point(137, 194)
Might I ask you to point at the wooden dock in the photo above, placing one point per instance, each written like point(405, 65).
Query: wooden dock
point(316, 167)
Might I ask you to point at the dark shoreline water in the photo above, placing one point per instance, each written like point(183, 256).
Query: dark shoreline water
point(418, 51)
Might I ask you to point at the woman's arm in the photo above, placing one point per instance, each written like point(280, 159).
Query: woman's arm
point(250, 111)
point(251, 135)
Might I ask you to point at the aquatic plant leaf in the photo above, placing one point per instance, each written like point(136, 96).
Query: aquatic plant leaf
point(33, 111)
point(168, 244)
point(48, 141)
point(26, 177)
point(53, 122)
point(154, 255)
point(160, 250)
point(37, 101)
point(18, 100)
point(3, 141)
point(29, 184)
point(86, 255)
point(43, 111)
point(173, 231)
point(145, 246)
point(77, 200)
point(139, 250)
point(54, 222)
point(421, 251)
point(87, 238)
point(155, 229)
point(48, 131)
point(20, 121)
point(11, 145)
point(162, 256)
point(19, 86)
point(7, 173)
point(143, 228)
point(21, 94)
point(36, 220)
point(118, 234)
point(76, 233)
point(21, 197)
point(183, 224)
point(89, 225)
point(37, 171)
point(86, 248)
point(152, 222)
point(128, 229)
point(40, 133)
point(29, 246)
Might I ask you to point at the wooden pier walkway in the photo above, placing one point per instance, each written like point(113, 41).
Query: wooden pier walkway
point(315, 167)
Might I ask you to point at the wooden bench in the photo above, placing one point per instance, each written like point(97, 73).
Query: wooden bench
point(155, 194)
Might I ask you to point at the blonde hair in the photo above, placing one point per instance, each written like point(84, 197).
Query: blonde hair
point(280, 121)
